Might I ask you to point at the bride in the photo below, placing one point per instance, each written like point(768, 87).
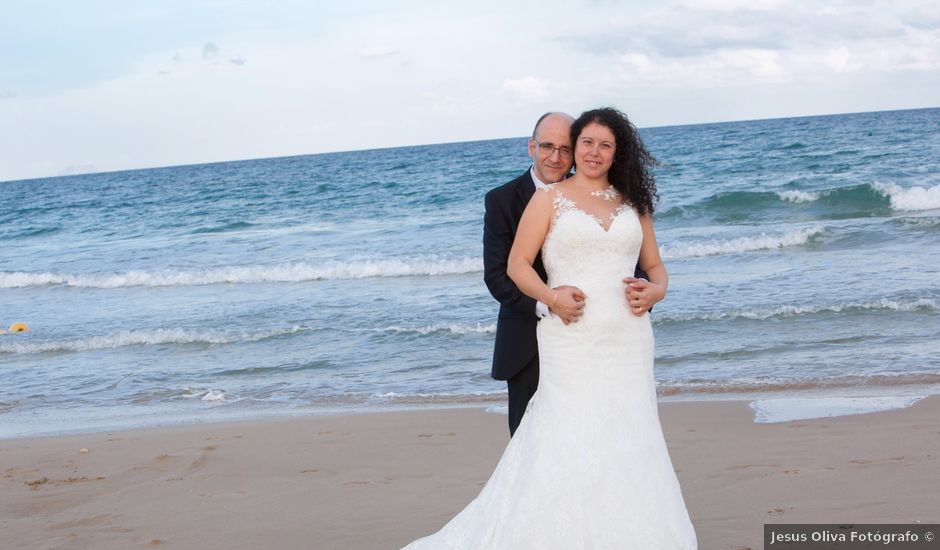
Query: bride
point(588, 466)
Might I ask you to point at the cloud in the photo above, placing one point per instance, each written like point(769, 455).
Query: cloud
point(377, 51)
point(703, 27)
point(728, 6)
point(209, 50)
point(700, 44)
point(841, 60)
point(7, 94)
point(923, 17)
point(76, 169)
point(669, 62)
point(528, 88)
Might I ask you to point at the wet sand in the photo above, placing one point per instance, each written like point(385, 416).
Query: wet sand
point(377, 481)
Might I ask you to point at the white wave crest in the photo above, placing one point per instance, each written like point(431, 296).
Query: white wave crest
point(910, 198)
point(213, 395)
point(741, 244)
point(923, 304)
point(284, 273)
point(924, 222)
point(455, 328)
point(206, 394)
point(796, 196)
point(139, 338)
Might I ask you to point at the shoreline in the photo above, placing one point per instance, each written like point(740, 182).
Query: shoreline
point(379, 480)
point(824, 403)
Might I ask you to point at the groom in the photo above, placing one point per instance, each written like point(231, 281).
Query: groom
point(515, 355)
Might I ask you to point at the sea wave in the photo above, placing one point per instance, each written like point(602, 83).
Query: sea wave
point(141, 338)
point(862, 197)
point(451, 328)
point(797, 196)
point(396, 398)
point(284, 273)
point(669, 388)
point(885, 304)
point(919, 222)
point(225, 227)
point(910, 198)
point(741, 244)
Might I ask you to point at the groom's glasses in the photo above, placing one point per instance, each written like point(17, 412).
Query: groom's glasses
point(548, 149)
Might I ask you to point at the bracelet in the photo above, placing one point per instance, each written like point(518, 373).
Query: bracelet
point(554, 298)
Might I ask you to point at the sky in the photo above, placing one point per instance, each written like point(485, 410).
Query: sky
point(105, 85)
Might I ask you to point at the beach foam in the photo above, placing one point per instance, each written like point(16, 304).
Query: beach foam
point(923, 304)
point(797, 196)
point(911, 198)
point(140, 338)
point(452, 328)
point(741, 244)
point(284, 273)
point(767, 411)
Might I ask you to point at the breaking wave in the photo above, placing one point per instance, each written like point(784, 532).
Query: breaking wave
point(284, 273)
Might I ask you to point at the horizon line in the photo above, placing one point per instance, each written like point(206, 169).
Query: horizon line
point(408, 146)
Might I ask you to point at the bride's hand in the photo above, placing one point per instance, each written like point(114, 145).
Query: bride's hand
point(642, 294)
point(569, 303)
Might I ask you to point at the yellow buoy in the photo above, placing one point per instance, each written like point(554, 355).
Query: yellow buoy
point(18, 327)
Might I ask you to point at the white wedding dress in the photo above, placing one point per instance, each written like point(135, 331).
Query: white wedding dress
point(588, 466)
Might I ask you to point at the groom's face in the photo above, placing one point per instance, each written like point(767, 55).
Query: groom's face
point(550, 149)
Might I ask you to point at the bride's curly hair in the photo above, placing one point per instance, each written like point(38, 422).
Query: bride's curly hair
point(632, 170)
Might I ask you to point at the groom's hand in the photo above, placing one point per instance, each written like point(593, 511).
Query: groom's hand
point(642, 294)
point(569, 303)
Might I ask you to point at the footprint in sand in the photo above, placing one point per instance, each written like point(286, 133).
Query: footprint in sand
point(35, 483)
point(746, 466)
point(85, 522)
point(878, 461)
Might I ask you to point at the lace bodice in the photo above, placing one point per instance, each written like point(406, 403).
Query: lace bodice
point(581, 250)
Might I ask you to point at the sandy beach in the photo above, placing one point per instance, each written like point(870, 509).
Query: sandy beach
point(377, 481)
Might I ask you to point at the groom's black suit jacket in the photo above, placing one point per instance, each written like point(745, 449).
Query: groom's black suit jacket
point(516, 344)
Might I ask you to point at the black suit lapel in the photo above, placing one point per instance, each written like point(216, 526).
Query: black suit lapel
point(525, 189)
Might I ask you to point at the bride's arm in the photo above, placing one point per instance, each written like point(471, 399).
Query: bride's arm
point(643, 295)
point(530, 235)
point(566, 301)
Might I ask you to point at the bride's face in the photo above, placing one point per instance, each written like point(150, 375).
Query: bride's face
point(594, 151)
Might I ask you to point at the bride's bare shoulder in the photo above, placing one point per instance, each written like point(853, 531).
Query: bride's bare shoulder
point(544, 194)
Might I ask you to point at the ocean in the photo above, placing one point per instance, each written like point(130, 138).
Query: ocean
point(803, 253)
